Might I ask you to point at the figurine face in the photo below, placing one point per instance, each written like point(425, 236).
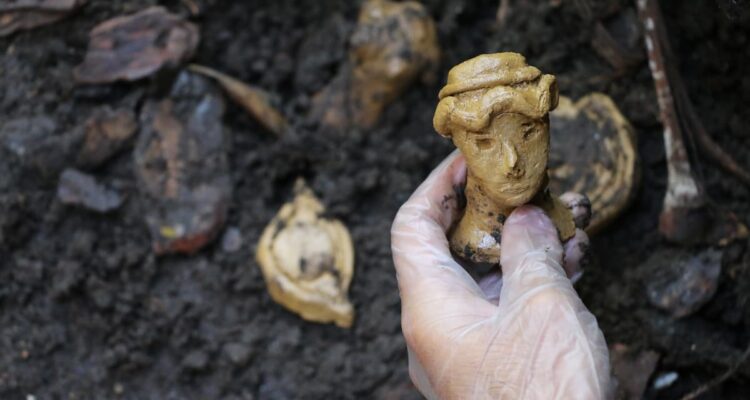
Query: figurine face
point(508, 158)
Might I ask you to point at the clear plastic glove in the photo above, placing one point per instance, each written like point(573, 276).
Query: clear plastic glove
point(538, 341)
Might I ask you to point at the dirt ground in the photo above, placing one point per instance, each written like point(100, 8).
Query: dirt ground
point(87, 311)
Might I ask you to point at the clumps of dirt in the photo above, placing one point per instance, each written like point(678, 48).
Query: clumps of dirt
point(88, 310)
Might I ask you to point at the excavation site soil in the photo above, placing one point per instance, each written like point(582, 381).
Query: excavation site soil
point(88, 310)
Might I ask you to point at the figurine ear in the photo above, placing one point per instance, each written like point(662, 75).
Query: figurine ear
point(549, 94)
point(443, 112)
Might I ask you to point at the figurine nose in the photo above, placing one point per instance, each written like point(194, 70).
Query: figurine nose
point(510, 159)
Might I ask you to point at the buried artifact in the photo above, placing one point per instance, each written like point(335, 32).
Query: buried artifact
point(593, 152)
point(181, 163)
point(394, 44)
point(495, 108)
point(308, 260)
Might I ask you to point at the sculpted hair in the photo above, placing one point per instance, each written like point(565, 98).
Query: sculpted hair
point(489, 85)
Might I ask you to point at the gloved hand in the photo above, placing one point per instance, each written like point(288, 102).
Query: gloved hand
point(538, 342)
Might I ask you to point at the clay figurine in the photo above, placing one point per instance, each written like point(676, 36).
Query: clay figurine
point(308, 260)
point(495, 108)
point(394, 44)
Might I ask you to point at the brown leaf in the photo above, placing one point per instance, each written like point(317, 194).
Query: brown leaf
point(253, 99)
point(136, 46)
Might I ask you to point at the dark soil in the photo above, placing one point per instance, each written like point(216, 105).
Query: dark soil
point(87, 311)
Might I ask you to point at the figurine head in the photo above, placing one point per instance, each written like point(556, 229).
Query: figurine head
point(495, 107)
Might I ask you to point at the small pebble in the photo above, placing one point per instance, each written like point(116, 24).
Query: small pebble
point(232, 240)
point(665, 380)
point(77, 188)
point(195, 360)
point(238, 353)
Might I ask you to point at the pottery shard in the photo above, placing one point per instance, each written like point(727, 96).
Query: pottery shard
point(392, 45)
point(16, 15)
point(136, 46)
point(308, 261)
point(593, 152)
point(182, 168)
point(107, 132)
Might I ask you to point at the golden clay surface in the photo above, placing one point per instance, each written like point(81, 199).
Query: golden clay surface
point(495, 109)
point(594, 153)
point(308, 261)
point(394, 44)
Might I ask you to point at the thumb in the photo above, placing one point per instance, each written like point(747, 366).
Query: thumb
point(541, 307)
point(530, 253)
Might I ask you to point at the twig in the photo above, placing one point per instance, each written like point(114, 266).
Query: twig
point(689, 121)
point(683, 192)
point(698, 131)
point(502, 12)
point(719, 379)
point(686, 216)
point(192, 7)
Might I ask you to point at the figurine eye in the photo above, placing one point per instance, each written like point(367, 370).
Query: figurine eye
point(483, 144)
point(528, 130)
point(482, 140)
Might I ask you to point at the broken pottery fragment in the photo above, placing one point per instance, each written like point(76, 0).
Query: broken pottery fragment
point(308, 261)
point(17, 15)
point(136, 46)
point(181, 165)
point(77, 188)
point(495, 109)
point(681, 282)
point(593, 152)
point(392, 45)
point(108, 131)
point(253, 99)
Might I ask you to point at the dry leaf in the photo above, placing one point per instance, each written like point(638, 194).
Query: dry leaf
point(253, 99)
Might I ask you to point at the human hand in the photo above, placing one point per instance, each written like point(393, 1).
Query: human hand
point(538, 341)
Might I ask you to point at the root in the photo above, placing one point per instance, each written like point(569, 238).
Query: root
point(719, 379)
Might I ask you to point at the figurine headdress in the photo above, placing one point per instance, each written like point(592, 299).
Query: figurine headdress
point(492, 84)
